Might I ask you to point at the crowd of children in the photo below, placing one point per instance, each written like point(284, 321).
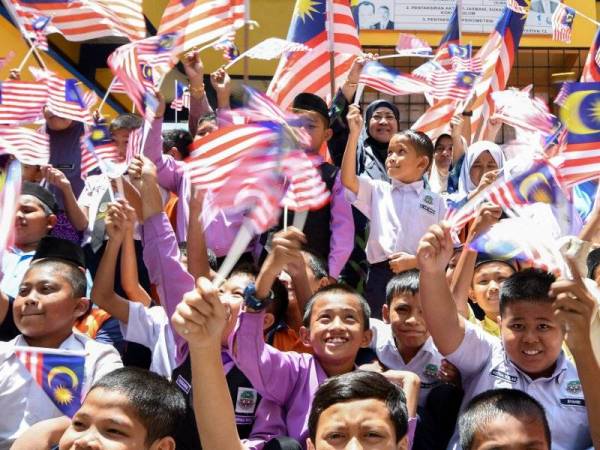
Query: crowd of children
point(375, 327)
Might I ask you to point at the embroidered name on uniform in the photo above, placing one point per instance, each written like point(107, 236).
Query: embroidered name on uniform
point(427, 208)
point(504, 376)
point(572, 401)
point(183, 384)
point(246, 400)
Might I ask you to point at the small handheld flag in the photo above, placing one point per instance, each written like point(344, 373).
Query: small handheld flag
point(389, 81)
point(562, 23)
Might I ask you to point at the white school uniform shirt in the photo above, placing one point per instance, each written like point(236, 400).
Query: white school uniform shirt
point(150, 328)
point(426, 363)
point(399, 215)
point(484, 365)
point(24, 402)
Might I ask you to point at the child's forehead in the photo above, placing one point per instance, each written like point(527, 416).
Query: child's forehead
point(401, 139)
point(238, 279)
point(406, 298)
point(535, 309)
point(337, 300)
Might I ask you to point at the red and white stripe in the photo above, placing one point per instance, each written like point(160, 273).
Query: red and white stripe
point(306, 189)
point(90, 162)
point(33, 362)
point(80, 20)
point(27, 145)
point(202, 21)
point(560, 31)
point(21, 101)
point(409, 42)
point(403, 85)
point(310, 71)
point(58, 104)
point(183, 102)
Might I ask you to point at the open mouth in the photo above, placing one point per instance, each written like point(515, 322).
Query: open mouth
point(336, 340)
point(531, 353)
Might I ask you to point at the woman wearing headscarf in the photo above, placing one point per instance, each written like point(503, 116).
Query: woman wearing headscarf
point(381, 123)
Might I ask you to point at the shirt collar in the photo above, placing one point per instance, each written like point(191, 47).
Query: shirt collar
point(557, 375)
point(416, 186)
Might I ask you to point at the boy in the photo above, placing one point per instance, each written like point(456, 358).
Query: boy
point(504, 418)
point(50, 299)
point(404, 343)
point(399, 212)
point(529, 357)
point(335, 325)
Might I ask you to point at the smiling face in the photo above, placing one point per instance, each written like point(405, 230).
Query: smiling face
point(106, 421)
point(336, 331)
point(31, 223)
point(121, 138)
point(45, 309)
point(358, 424)
point(485, 289)
point(443, 152)
point(403, 163)
point(507, 432)
point(383, 125)
point(231, 294)
point(483, 164)
point(406, 318)
point(532, 337)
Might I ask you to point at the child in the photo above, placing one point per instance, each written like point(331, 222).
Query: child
point(50, 299)
point(504, 418)
point(399, 212)
point(529, 357)
point(404, 343)
point(336, 326)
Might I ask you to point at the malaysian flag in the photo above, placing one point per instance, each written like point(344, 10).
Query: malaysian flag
point(60, 374)
point(454, 85)
point(67, 100)
point(97, 145)
point(306, 189)
point(412, 45)
point(39, 26)
point(80, 20)
point(591, 68)
point(518, 7)
point(159, 53)
point(182, 97)
point(562, 23)
point(272, 48)
point(581, 153)
point(451, 36)
point(461, 58)
point(202, 21)
point(310, 71)
point(21, 101)
point(134, 143)
point(227, 46)
point(27, 145)
point(216, 155)
point(389, 81)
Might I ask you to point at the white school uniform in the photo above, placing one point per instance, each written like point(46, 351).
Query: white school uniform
point(426, 363)
point(399, 215)
point(24, 402)
point(150, 328)
point(484, 365)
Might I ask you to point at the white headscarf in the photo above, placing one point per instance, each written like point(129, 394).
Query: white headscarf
point(465, 184)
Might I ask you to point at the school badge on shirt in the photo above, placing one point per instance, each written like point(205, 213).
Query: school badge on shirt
point(246, 400)
point(574, 387)
point(427, 204)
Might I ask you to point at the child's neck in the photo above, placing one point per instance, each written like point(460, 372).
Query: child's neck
point(47, 341)
point(407, 353)
point(409, 181)
point(333, 368)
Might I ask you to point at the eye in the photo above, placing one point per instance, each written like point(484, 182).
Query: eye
point(116, 432)
point(517, 327)
point(350, 318)
point(325, 318)
point(544, 327)
point(373, 435)
point(77, 425)
point(334, 436)
point(23, 291)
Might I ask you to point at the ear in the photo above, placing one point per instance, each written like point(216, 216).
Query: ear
point(305, 336)
point(166, 443)
point(268, 321)
point(52, 219)
point(498, 319)
point(325, 281)
point(385, 313)
point(403, 444)
point(471, 295)
point(175, 153)
point(423, 162)
point(366, 339)
point(309, 444)
point(328, 134)
point(81, 308)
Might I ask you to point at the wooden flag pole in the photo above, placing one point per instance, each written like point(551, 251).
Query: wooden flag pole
point(330, 37)
point(114, 80)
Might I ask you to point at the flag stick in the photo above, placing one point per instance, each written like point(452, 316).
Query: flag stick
point(114, 80)
point(359, 92)
point(25, 58)
point(17, 21)
point(239, 246)
point(459, 13)
point(120, 187)
point(300, 219)
point(285, 217)
point(400, 55)
point(175, 109)
point(329, 7)
point(578, 13)
point(246, 39)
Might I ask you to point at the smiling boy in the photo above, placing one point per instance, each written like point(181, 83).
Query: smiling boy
point(528, 357)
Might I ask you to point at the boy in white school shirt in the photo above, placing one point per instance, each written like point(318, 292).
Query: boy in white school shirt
point(534, 311)
point(399, 213)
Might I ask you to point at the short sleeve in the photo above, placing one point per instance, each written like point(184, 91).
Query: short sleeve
point(475, 350)
point(362, 200)
point(143, 325)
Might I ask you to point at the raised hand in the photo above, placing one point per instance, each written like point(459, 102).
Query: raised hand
point(355, 119)
point(435, 249)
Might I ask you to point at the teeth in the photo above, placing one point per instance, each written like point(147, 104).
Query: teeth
point(336, 340)
point(531, 352)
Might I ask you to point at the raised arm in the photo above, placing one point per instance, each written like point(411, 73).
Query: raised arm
point(197, 254)
point(591, 230)
point(199, 106)
point(439, 310)
point(200, 319)
point(129, 269)
point(75, 214)
point(221, 83)
point(576, 308)
point(348, 171)
point(341, 242)
point(103, 292)
point(457, 125)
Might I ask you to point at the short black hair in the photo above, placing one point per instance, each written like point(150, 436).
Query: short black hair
point(178, 138)
point(441, 136)
point(207, 117)
point(367, 3)
point(127, 121)
point(159, 404)
point(406, 282)
point(360, 385)
point(317, 265)
point(592, 261)
point(421, 143)
point(74, 275)
point(489, 405)
point(337, 288)
point(529, 285)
